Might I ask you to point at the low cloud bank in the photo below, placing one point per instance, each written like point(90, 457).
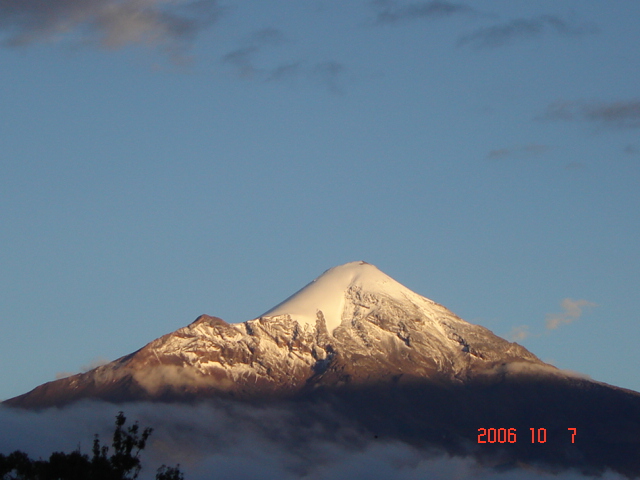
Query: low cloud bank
point(232, 440)
point(527, 369)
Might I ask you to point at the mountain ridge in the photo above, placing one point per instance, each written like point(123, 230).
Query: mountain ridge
point(351, 325)
point(388, 363)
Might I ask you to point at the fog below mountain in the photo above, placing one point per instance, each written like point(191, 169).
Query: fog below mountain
point(221, 440)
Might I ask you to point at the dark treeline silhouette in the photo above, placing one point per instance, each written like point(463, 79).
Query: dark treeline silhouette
point(123, 463)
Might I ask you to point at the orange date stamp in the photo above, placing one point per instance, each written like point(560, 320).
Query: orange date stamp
point(509, 435)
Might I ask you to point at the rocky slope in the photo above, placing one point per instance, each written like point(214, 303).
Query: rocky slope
point(355, 348)
point(353, 325)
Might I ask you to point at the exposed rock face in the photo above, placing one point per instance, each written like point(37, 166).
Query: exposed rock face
point(353, 325)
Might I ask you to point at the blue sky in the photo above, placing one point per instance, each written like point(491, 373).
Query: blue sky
point(163, 159)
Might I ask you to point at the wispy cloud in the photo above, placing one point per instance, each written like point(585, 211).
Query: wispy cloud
point(390, 12)
point(244, 62)
point(572, 311)
point(284, 71)
point(517, 334)
point(268, 36)
point(110, 23)
point(522, 29)
point(248, 62)
point(519, 151)
point(618, 115)
point(244, 59)
point(95, 363)
point(330, 74)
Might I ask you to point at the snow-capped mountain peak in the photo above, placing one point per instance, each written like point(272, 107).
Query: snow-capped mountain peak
point(328, 294)
point(353, 325)
point(358, 355)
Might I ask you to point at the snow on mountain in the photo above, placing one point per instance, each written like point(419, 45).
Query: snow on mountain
point(355, 348)
point(351, 325)
point(328, 294)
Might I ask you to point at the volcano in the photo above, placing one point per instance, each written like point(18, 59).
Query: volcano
point(394, 362)
point(351, 326)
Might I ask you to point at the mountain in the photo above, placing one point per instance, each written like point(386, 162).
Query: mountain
point(356, 347)
point(353, 325)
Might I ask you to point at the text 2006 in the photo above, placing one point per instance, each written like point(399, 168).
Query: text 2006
point(508, 435)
